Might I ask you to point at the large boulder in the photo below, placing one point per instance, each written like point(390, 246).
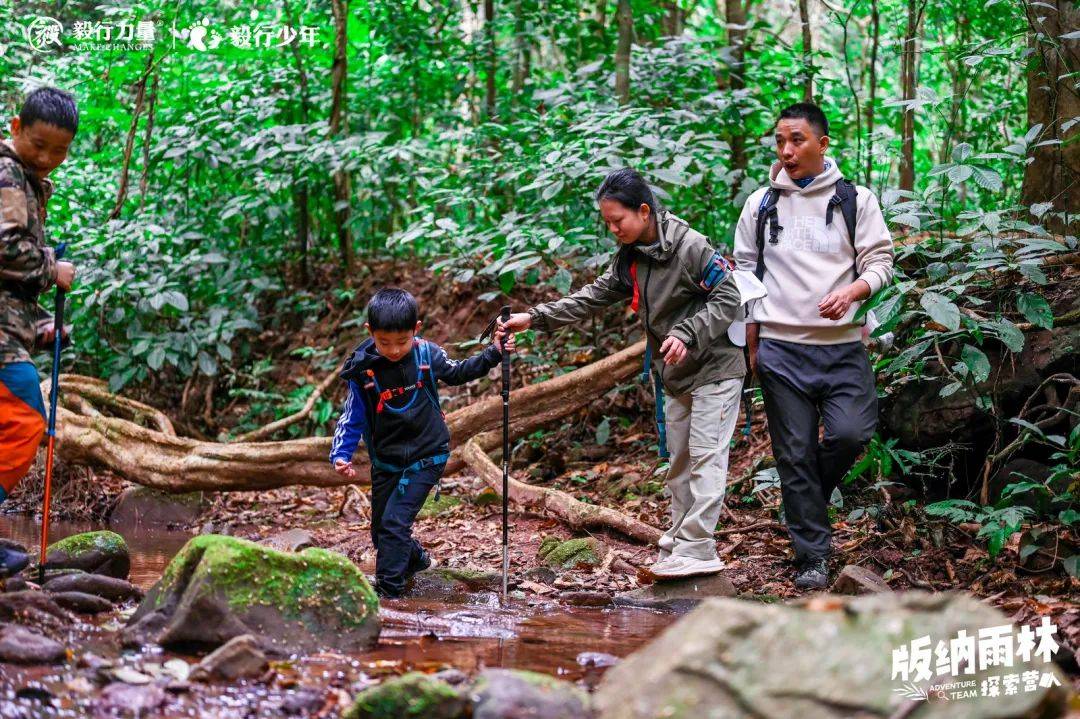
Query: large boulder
point(829, 658)
point(101, 552)
point(149, 507)
point(217, 588)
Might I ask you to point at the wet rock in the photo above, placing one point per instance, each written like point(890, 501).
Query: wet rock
point(412, 695)
point(217, 588)
point(129, 700)
point(302, 701)
point(584, 598)
point(12, 544)
point(34, 609)
point(854, 579)
point(572, 553)
point(82, 602)
point(17, 584)
point(829, 658)
point(115, 590)
point(678, 595)
point(541, 575)
point(434, 507)
point(452, 583)
point(239, 658)
point(102, 552)
point(513, 694)
point(19, 645)
point(292, 540)
point(149, 507)
point(454, 677)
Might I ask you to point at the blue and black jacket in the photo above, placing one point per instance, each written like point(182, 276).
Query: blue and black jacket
point(410, 426)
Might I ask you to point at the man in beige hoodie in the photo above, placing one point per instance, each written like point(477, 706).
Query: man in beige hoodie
point(804, 342)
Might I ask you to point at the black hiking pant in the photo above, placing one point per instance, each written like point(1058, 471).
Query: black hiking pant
point(804, 386)
point(396, 498)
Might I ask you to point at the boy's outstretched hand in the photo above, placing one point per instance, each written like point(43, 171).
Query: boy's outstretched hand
point(345, 469)
point(497, 340)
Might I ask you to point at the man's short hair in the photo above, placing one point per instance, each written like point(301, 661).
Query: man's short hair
point(392, 309)
point(807, 111)
point(52, 106)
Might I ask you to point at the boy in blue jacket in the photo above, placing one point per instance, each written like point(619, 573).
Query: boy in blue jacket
point(393, 404)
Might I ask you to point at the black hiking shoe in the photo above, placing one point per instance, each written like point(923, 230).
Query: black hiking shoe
point(385, 592)
point(812, 574)
point(12, 561)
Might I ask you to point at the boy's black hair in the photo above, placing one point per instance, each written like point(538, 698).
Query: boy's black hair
point(392, 309)
point(52, 106)
point(807, 111)
point(627, 187)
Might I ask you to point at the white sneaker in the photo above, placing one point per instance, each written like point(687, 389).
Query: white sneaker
point(660, 564)
point(677, 567)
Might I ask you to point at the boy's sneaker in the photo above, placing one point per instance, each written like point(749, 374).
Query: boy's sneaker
point(384, 593)
point(12, 561)
point(813, 574)
point(676, 567)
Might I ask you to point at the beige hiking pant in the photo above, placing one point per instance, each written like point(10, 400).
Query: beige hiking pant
point(699, 429)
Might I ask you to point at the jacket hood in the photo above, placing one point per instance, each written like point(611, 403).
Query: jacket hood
point(361, 359)
point(780, 179)
point(672, 230)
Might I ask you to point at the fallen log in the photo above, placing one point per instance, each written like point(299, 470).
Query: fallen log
point(164, 461)
point(577, 515)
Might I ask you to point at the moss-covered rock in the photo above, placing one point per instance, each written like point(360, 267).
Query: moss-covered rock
point(413, 695)
point(218, 587)
point(434, 507)
point(452, 584)
point(572, 553)
point(101, 552)
point(499, 693)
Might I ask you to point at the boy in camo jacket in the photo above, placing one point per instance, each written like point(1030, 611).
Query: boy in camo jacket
point(40, 138)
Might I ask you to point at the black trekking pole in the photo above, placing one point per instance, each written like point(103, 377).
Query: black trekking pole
point(506, 458)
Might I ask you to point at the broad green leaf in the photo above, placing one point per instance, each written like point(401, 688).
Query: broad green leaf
point(603, 431)
point(1036, 309)
point(977, 363)
point(941, 310)
point(960, 173)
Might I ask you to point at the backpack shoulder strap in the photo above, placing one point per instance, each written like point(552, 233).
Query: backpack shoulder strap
point(846, 198)
point(423, 363)
point(766, 213)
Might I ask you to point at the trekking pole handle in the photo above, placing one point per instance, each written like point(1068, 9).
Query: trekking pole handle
point(505, 317)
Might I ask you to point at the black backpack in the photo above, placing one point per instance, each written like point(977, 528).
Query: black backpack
point(844, 197)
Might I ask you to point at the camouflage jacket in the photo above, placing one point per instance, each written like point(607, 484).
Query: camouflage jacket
point(27, 266)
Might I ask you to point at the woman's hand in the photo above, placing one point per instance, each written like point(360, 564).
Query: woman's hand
point(518, 322)
point(674, 351)
point(345, 469)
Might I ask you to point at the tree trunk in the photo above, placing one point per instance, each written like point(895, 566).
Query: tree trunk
point(807, 52)
point(300, 190)
point(129, 144)
point(521, 50)
point(875, 37)
point(163, 461)
point(489, 43)
point(735, 17)
point(625, 17)
point(144, 178)
point(339, 125)
point(907, 89)
point(577, 515)
point(1053, 99)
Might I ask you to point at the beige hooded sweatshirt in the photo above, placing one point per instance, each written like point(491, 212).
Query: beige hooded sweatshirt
point(811, 260)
